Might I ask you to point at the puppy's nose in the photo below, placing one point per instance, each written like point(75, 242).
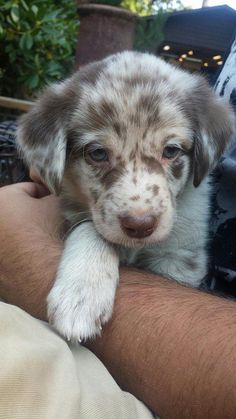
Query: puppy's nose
point(138, 226)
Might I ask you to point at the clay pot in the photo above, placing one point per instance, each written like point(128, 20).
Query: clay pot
point(104, 30)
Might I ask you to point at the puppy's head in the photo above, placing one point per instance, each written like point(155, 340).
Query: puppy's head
point(121, 138)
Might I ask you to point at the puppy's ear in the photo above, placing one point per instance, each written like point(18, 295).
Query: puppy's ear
point(41, 135)
point(213, 125)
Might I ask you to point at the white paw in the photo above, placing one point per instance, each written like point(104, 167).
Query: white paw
point(82, 298)
point(78, 314)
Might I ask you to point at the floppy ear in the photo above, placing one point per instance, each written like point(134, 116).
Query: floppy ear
point(214, 125)
point(42, 132)
point(41, 135)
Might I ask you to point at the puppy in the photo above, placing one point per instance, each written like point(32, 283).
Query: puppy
point(127, 143)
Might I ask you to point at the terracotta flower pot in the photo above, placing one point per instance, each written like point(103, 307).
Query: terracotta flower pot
point(104, 30)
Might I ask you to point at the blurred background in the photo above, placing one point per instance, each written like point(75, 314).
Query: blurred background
point(43, 41)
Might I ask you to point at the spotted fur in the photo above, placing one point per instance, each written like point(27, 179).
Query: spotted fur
point(134, 106)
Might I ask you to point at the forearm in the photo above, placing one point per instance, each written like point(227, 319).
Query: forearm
point(28, 277)
point(173, 347)
point(30, 232)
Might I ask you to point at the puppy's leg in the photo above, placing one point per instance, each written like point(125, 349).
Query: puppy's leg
point(82, 297)
point(184, 266)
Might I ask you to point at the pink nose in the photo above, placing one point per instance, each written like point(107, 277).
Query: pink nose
point(138, 226)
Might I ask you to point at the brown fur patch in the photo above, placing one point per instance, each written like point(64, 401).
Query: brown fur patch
point(94, 194)
point(148, 104)
point(200, 162)
point(134, 80)
point(152, 165)
point(44, 129)
point(177, 168)
point(206, 113)
point(133, 153)
point(103, 214)
point(134, 119)
point(135, 165)
point(135, 198)
point(145, 133)
point(120, 129)
point(74, 201)
point(155, 190)
point(108, 109)
point(111, 177)
point(100, 115)
point(96, 120)
point(109, 195)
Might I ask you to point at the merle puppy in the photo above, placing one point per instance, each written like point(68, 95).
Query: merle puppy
point(127, 143)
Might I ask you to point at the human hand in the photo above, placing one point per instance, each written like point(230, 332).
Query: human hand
point(30, 231)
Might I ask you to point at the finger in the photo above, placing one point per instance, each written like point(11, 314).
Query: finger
point(35, 190)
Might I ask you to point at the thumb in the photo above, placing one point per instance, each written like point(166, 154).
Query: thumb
point(35, 190)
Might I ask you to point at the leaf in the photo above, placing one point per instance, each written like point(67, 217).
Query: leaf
point(24, 5)
point(26, 41)
point(36, 60)
point(15, 13)
point(7, 5)
point(33, 81)
point(34, 9)
point(9, 20)
point(29, 41)
point(12, 56)
point(53, 66)
point(50, 16)
point(22, 42)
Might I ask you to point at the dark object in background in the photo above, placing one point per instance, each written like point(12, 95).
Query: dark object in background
point(12, 169)
point(104, 30)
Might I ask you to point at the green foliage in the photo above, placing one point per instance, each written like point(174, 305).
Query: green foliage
point(149, 7)
point(37, 44)
point(115, 3)
point(141, 7)
point(149, 33)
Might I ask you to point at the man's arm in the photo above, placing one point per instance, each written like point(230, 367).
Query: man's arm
point(30, 245)
point(171, 346)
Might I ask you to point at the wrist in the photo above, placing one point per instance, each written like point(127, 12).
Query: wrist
point(26, 279)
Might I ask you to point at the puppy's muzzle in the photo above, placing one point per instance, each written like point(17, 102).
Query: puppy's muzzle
point(138, 226)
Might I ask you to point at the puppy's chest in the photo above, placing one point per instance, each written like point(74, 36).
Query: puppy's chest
point(149, 257)
point(182, 256)
point(140, 258)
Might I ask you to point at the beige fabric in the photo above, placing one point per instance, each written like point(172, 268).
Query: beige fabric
point(41, 377)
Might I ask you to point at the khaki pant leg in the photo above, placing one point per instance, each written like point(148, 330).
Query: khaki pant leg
point(41, 377)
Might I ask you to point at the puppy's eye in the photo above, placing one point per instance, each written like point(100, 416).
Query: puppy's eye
point(170, 152)
point(98, 155)
point(95, 154)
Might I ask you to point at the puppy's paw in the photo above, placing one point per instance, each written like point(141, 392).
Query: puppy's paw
point(79, 313)
point(82, 298)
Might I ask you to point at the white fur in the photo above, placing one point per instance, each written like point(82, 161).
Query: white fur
point(82, 298)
